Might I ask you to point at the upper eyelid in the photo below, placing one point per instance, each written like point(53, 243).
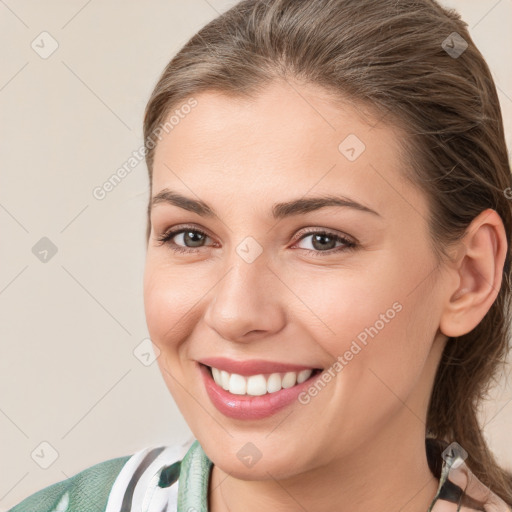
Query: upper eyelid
point(179, 229)
point(328, 231)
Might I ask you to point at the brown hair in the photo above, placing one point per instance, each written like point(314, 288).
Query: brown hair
point(402, 58)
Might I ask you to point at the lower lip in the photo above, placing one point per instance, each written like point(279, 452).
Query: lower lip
point(247, 407)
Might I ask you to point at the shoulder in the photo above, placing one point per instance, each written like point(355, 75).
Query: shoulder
point(113, 485)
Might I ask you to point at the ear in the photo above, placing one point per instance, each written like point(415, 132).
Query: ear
point(478, 272)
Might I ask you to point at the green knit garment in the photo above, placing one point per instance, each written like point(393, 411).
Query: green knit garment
point(86, 491)
point(194, 479)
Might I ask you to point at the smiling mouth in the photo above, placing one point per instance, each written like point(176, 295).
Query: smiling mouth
point(259, 384)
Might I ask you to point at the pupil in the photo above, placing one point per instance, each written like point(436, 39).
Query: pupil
point(192, 235)
point(320, 237)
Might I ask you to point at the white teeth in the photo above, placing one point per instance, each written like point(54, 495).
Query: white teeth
point(256, 385)
point(303, 375)
point(289, 379)
point(274, 383)
point(237, 384)
point(224, 380)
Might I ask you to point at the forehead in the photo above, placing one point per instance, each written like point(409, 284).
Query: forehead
point(283, 142)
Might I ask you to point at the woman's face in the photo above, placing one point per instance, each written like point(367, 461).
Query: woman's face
point(262, 286)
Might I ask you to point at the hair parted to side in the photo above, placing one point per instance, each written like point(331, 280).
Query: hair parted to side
point(386, 54)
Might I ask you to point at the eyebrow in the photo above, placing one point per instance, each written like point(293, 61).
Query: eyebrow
point(279, 210)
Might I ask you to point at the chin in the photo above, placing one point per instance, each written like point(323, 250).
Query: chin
point(242, 460)
point(262, 470)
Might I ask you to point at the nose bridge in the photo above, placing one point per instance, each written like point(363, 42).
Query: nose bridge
point(247, 268)
point(244, 299)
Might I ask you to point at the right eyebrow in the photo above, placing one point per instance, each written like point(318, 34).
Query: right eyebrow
point(186, 203)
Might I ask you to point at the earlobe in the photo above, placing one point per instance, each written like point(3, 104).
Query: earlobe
point(479, 271)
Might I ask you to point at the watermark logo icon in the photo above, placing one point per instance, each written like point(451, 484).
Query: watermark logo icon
point(249, 454)
point(146, 352)
point(454, 45)
point(249, 249)
point(351, 147)
point(44, 250)
point(44, 455)
point(44, 45)
point(454, 454)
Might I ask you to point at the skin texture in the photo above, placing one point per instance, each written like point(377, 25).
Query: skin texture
point(359, 444)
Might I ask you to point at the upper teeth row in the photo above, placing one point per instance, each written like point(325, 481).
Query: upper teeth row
point(256, 385)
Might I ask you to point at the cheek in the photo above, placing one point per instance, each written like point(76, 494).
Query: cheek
point(396, 343)
point(168, 301)
point(370, 320)
point(337, 307)
point(168, 304)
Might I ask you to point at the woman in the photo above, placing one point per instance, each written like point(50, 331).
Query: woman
point(328, 266)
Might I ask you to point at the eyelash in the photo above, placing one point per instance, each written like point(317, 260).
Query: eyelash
point(166, 237)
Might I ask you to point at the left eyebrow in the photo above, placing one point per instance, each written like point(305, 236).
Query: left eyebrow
point(309, 204)
point(279, 210)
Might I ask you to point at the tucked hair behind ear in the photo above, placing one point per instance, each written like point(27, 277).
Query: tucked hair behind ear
point(389, 55)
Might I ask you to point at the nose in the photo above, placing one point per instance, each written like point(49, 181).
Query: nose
point(247, 302)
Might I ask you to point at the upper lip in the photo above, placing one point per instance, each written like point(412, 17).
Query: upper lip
point(252, 366)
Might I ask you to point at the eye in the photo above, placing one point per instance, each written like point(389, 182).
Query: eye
point(193, 239)
point(325, 242)
point(188, 235)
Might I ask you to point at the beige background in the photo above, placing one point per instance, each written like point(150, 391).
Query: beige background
point(69, 326)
